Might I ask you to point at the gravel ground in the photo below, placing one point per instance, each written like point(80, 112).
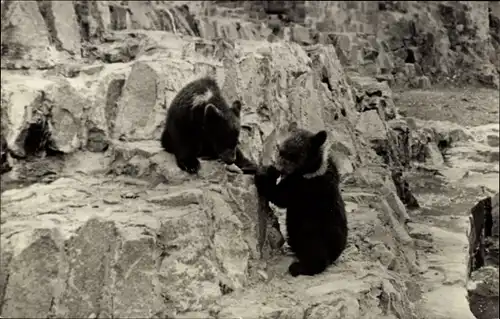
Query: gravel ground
point(467, 107)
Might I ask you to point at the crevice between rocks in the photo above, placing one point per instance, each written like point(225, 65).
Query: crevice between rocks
point(4, 150)
point(82, 18)
point(37, 137)
point(444, 146)
point(326, 79)
point(114, 93)
point(118, 17)
point(45, 8)
point(94, 13)
point(4, 290)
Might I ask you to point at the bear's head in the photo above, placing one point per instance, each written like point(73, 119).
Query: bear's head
point(301, 152)
point(223, 126)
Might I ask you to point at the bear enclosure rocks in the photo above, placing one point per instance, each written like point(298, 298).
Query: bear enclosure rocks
point(483, 261)
point(100, 222)
point(178, 248)
point(147, 240)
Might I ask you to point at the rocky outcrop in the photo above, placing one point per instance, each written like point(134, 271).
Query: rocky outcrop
point(146, 240)
point(4, 162)
point(79, 250)
point(483, 261)
point(408, 44)
point(112, 228)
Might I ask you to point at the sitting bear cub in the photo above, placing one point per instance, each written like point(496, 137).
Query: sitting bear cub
point(309, 189)
point(200, 124)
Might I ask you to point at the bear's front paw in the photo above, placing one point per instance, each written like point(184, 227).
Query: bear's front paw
point(268, 172)
point(191, 166)
point(272, 172)
point(266, 175)
point(261, 171)
point(295, 269)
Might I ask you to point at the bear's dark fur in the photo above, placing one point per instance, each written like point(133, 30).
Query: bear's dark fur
point(309, 189)
point(200, 124)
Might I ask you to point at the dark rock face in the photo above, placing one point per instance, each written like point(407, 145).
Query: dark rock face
point(483, 265)
point(481, 213)
point(4, 164)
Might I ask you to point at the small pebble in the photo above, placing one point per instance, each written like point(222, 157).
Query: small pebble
point(111, 201)
point(263, 274)
point(129, 195)
point(234, 169)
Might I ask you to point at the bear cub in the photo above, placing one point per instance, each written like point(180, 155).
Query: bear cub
point(200, 124)
point(309, 190)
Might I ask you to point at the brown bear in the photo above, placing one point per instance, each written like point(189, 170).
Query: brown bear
point(200, 124)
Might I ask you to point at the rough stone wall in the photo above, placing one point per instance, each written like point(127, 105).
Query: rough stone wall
point(408, 43)
point(405, 42)
point(483, 261)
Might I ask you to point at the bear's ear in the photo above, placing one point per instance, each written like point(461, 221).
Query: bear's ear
point(319, 139)
point(236, 108)
point(211, 112)
point(293, 126)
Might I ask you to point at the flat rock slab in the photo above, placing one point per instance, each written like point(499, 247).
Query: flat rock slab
point(445, 272)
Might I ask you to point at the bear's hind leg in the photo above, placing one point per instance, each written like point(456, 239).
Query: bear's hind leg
point(307, 268)
point(186, 157)
point(310, 262)
point(190, 165)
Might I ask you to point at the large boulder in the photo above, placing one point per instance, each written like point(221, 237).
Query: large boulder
point(77, 249)
point(483, 261)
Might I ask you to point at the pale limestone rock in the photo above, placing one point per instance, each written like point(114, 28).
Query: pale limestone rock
point(137, 106)
point(142, 15)
point(66, 26)
point(25, 36)
point(433, 155)
point(371, 126)
point(397, 206)
point(191, 239)
point(374, 95)
point(423, 82)
point(301, 35)
point(67, 112)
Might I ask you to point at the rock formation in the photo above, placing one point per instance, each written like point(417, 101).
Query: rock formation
point(409, 44)
point(112, 228)
point(483, 266)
